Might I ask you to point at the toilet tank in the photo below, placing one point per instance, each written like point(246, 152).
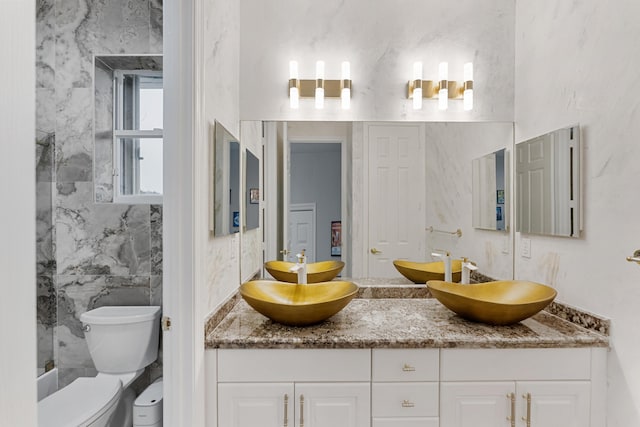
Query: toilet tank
point(122, 339)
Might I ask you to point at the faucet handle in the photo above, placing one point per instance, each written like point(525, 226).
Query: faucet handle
point(469, 264)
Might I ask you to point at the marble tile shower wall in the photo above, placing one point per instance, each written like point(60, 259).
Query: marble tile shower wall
point(88, 254)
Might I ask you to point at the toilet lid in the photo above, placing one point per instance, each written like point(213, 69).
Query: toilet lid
point(79, 403)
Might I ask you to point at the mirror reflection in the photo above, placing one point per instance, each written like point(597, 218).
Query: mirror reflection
point(388, 185)
point(548, 184)
point(252, 191)
point(226, 182)
point(490, 191)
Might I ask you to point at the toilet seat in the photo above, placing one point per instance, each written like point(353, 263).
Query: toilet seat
point(80, 403)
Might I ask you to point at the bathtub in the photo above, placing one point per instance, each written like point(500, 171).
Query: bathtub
point(47, 383)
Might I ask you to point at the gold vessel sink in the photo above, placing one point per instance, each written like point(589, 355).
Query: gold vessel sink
point(298, 305)
point(322, 271)
point(422, 272)
point(496, 303)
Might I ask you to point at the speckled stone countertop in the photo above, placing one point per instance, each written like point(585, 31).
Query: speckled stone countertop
point(397, 323)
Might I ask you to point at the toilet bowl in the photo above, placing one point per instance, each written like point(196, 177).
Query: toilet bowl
point(93, 402)
point(122, 341)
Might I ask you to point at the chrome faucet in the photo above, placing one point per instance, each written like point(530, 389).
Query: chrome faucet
point(301, 268)
point(467, 268)
point(446, 258)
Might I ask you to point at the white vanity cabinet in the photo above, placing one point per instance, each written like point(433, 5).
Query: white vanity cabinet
point(517, 387)
point(294, 388)
point(404, 388)
point(547, 387)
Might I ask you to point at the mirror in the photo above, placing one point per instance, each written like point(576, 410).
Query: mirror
point(447, 150)
point(490, 192)
point(548, 184)
point(252, 191)
point(225, 204)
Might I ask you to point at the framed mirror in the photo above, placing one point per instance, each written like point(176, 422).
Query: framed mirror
point(548, 183)
point(490, 191)
point(224, 203)
point(252, 191)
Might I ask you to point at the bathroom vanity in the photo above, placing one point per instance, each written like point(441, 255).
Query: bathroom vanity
point(406, 362)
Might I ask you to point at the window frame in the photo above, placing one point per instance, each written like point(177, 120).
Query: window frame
point(119, 133)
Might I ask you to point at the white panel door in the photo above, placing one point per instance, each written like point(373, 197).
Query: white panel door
point(555, 403)
point(333, 405)
point(251, 405)
point(396, 197)
point(302, 232)
point(476, 404)
point(534, 174)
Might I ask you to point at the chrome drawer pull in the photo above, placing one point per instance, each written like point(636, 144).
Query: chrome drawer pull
point(408, 404)
point(286, 410)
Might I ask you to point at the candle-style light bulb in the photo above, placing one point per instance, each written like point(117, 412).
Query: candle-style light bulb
point(417, 85)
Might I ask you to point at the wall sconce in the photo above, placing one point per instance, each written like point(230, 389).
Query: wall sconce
point(443, 90)
point(319, 88)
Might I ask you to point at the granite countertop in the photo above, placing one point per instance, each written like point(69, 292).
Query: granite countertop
point(397, 323)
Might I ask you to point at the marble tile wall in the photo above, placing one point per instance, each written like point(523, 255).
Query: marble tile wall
point(89, 254)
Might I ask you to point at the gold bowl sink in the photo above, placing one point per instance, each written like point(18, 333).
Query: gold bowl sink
point(322, 271)
point(298, 305)
point(422, 272)
point(496, 303)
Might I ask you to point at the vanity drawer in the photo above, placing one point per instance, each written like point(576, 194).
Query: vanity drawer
point(405, 399)
point(280, 365)
point(405, 364)
point(405, 422)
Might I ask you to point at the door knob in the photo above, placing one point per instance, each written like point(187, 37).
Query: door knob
point(375, 251)
point(284, 252)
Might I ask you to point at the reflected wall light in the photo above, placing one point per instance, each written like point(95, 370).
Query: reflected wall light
point(319, 85)
point(319, 88)
point(294, 85)
point(467, 93)
point(417, 85)
point(345, 86)
point(444, 89)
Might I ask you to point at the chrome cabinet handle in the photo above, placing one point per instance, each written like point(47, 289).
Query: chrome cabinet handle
point(286, 410)
point(375, 251)
point(512, 418)
point(408, 404)
point(408, 368)
point(301, 410)
point(527, 397)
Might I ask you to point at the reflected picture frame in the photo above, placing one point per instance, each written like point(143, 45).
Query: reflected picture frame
point(254, 196)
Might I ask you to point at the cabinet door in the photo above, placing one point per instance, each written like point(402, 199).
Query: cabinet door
point(555, 403)
point(250, 405)
point(477, 404)
point(333, 405)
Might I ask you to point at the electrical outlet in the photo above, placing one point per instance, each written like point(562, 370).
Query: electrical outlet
point(525, 248)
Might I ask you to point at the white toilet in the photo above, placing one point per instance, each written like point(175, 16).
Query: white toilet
point(122, 341)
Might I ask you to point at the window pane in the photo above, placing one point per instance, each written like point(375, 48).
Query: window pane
point(140, 166)
point(150, 166)
point(141, 102)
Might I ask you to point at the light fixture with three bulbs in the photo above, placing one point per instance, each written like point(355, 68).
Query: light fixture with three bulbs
point(444, 89)
point(319, 88)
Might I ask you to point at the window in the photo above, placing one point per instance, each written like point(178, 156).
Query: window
point(137, 136)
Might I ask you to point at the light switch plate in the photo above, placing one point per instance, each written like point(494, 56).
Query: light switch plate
point(525, 248)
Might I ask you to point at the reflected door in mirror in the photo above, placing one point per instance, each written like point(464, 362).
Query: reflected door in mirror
point(547, 183)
